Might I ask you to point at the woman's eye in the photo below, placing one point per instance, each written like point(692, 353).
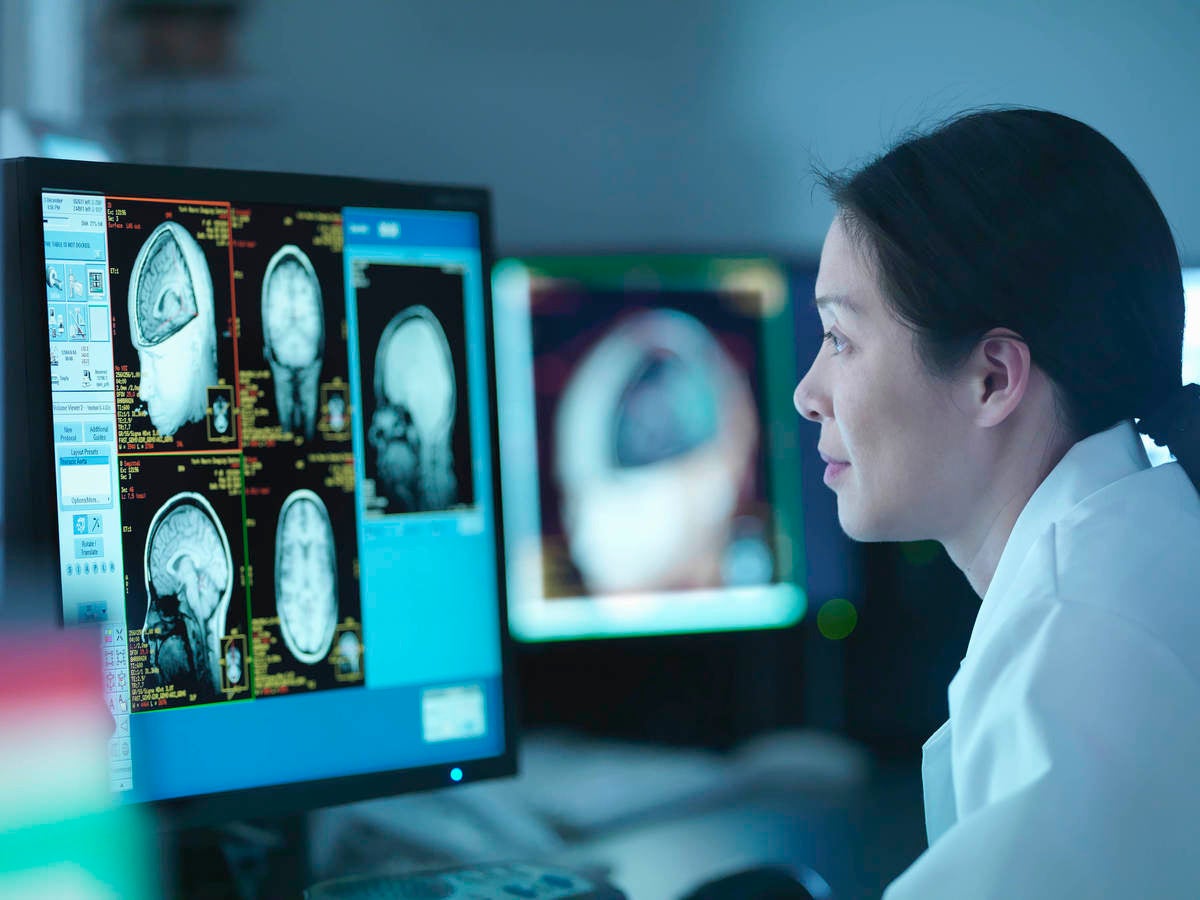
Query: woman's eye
point(838, 343)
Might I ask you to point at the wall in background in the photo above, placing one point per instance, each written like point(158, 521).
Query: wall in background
point(654, 124)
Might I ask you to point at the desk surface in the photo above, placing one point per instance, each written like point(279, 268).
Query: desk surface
point(857, 840)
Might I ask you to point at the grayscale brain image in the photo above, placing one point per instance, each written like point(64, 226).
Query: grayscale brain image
point(233, 663)
point(293, 363)
point(349, 655)
point(185, 594)
point(171, 321)
point(414, 389)
point(189, 579)
point(294, 337)
point(172, 341)
point(306, 576)
point(306, 604)
point(649, 423)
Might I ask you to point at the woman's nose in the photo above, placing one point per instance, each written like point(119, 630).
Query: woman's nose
point(805, 402)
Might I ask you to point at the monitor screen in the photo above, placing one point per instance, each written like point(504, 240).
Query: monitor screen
point(1191, 353)
point(269, 409)
point(647, 423)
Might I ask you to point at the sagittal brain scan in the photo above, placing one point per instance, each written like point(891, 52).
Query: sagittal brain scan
point(189, 576)
point(294, 337)
point(349, 653)
point(654, 436)
point(306, 576)
point(172, 325)
point(415, 404)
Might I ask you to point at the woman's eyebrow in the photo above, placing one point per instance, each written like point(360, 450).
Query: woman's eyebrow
point(839, 300)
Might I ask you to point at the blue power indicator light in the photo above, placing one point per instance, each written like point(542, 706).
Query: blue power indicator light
point(456, 774)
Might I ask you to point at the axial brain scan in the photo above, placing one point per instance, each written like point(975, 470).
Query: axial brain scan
point(220, 414)
point(173, 327)
point(306, 576)
point(189, 579)
point(294, 336)
point(233, 664)
point(337, 412)
point(655, 434)
point(413, 424)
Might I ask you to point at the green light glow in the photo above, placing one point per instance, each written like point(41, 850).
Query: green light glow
point(837, 618)
point(920, 553)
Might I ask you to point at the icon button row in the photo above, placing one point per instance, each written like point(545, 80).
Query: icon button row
point(91, 568)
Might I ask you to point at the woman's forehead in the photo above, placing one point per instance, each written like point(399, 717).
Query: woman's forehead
point(845, 280)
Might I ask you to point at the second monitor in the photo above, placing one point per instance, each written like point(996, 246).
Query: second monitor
point(647, 420)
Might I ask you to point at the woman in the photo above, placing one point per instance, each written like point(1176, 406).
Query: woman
point(1001, 299)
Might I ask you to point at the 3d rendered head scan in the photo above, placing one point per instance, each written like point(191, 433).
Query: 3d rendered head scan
point(293, 336)
point(655, 435)
point(306, 576)
point(173, 327)
point(415, 402)
point(189, 578)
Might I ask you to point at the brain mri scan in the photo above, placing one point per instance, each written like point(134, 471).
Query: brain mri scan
point(349, 654)
point(306, 576)
point(233, 664)
point(337, 412)
point(655, 434)
point(189, 579)
point(173, 327)
point(415, 402)
point(294, 336)
point(220, 414)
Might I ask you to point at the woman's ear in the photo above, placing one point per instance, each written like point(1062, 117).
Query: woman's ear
point(999, 373)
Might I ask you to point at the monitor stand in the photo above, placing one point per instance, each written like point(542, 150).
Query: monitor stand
point(262, 859)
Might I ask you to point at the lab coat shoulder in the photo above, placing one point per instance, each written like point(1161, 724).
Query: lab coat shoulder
point(1076, 724)
point(1076, 776)
point(1133, 550)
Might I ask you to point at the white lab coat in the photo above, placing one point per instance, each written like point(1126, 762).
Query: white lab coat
point(1070, 764)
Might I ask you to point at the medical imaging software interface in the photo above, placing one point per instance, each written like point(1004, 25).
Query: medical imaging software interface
point(271, 437)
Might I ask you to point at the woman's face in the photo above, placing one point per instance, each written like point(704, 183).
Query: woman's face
point(879, 410)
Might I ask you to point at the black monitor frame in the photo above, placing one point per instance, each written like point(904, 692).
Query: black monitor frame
point(32, 583)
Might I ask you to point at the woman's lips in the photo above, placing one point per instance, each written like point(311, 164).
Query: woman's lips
point(833, 470)
point(833, 467)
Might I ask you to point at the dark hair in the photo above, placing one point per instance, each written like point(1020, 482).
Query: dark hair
point(1032, 221)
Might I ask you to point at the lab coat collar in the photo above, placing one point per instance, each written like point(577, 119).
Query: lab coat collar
point(1090, 465)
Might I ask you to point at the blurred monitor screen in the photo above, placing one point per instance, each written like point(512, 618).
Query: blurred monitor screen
point(646, 444)
point(268, 410)
point(1191, 353)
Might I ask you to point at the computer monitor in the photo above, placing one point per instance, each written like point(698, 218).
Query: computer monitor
point(647, 433)
point(251, 441)
point(1191, 353)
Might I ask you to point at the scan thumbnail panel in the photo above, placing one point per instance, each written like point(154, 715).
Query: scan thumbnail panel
point(306, 609)
point(650, 452)
point(173, 346)
point(292, 356)
point(186, 607)
point(412, 361)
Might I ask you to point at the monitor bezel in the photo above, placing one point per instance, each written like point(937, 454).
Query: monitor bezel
point(32, 561)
